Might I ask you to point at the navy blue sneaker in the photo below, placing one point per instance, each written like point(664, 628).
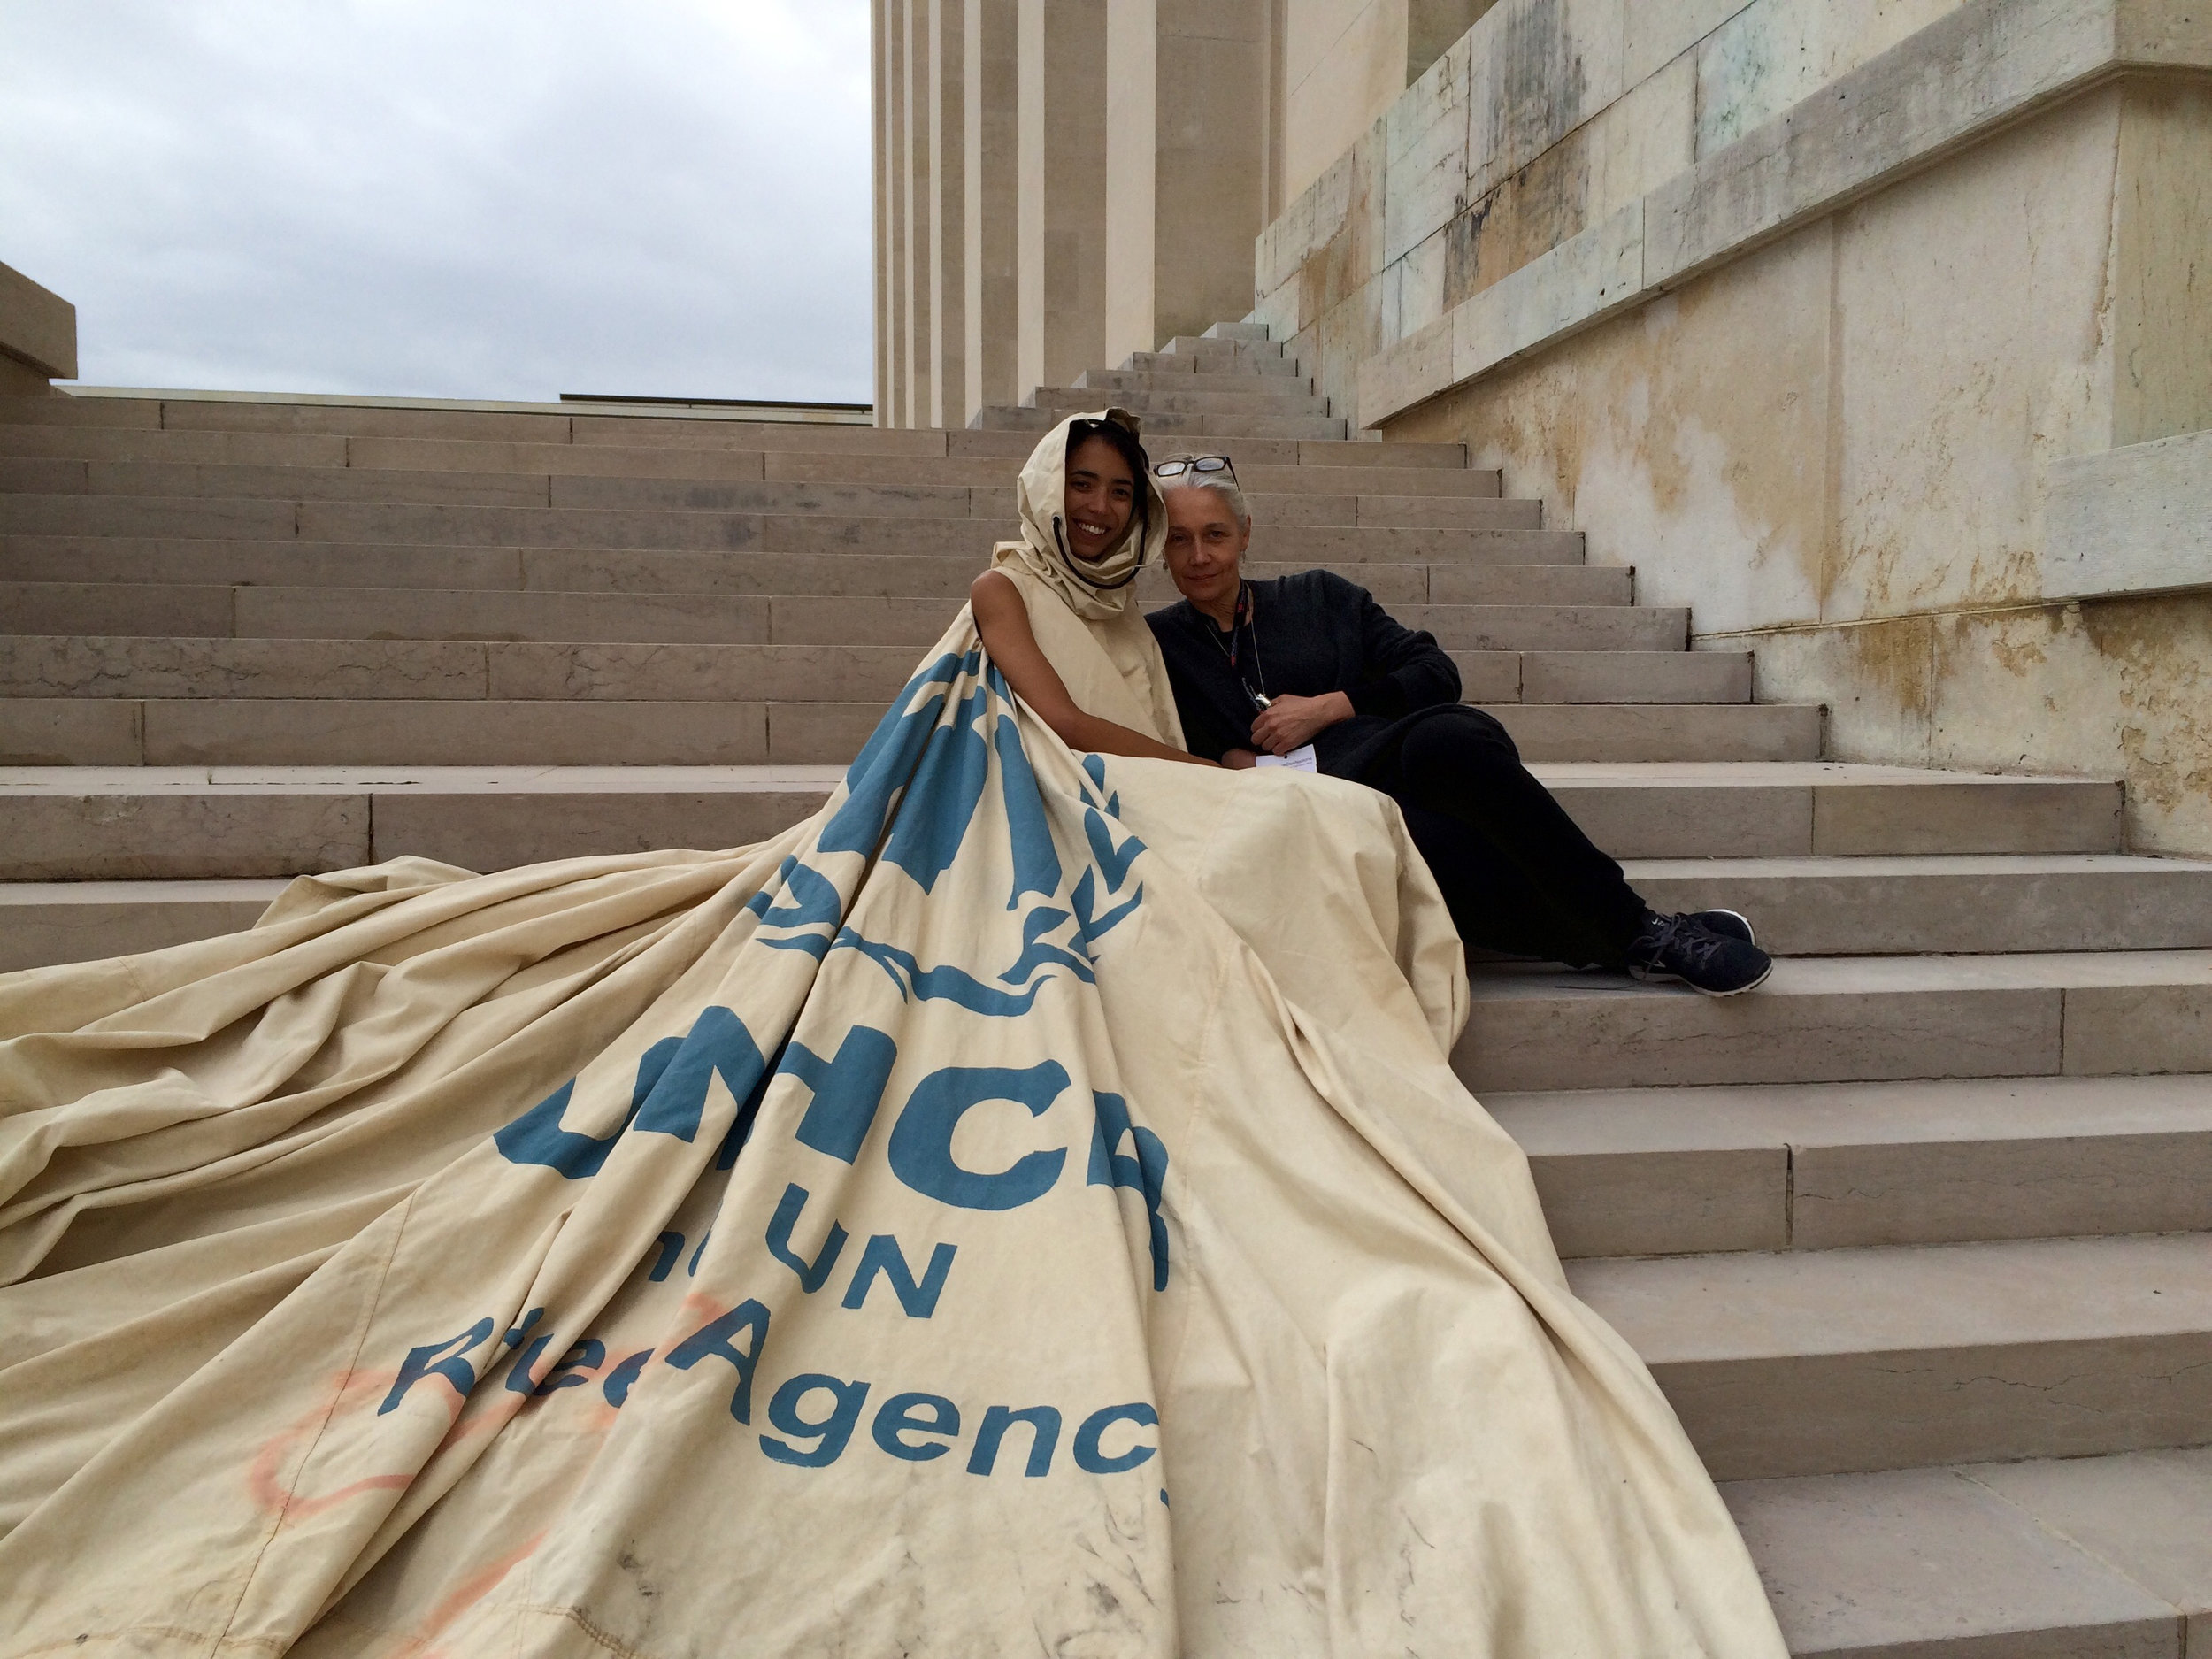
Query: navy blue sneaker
point(1688, 949)
point(1727, 923)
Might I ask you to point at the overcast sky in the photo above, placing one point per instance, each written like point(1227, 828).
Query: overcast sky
point(457, 198)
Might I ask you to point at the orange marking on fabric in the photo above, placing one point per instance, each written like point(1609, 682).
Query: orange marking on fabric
point(261, 1476)
point(472, 1590)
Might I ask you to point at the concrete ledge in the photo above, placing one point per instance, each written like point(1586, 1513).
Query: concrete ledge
point(2133, 520)
point(1960, 80)
point(38, 329)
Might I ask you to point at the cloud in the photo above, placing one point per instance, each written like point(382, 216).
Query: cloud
point(458, 198)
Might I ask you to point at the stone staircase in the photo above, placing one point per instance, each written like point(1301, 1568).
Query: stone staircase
point(1918, 1241)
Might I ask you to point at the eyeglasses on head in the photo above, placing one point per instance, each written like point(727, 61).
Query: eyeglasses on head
point(1194, 464)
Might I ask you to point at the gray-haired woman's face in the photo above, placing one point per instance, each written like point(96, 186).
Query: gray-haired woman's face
point(1205, 546)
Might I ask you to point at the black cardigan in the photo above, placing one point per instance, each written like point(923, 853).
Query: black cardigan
point(1315, 633)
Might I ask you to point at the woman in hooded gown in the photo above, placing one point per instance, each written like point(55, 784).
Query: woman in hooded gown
point(1026, 1205)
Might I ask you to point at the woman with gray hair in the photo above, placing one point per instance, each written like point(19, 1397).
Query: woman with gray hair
point(1309, 664)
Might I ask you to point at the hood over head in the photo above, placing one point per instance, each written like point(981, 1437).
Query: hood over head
point(1095, 589)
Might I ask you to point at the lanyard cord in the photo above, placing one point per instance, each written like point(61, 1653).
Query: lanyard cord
point(1241, 622)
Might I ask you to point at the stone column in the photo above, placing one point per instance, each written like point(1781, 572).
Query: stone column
point(891, 249)
point(880, 170)
point(991, 90)
point(948, 223)
point(920, 405)
point(1062, 216)
point(1186, 165)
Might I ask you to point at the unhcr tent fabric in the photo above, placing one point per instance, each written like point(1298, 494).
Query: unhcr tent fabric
point(1025, 1209)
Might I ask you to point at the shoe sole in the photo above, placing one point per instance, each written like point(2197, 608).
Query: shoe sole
point(1646, 977)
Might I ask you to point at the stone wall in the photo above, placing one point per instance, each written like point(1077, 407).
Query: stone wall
point(1881, 440)
point(38, 336)
point(1545, 120)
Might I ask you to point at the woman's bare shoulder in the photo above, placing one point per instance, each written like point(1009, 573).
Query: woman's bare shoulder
point(995, 589)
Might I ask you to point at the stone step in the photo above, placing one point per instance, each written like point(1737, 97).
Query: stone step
point(432, 524)
point(130, 822)
point(1701, 732)
point(1210, 363)
point(49, 578)
point(1315, 510)
point(1610, 677)
point(574, 708)
point(1830, 809)
point(1159, 427)
point(209, 823)
point(1638, 1172)
point(555, 424)
point(1821, 1166)
point(205, 448)
point(1832, 1362)
point(43, 922)
point(1262, 392)
point(1250, 337)
point(1845, 1019)
point(1246, 398)
point(598, 460)
point(161, 479)
point(347, 668)
point(2048, 1559)
point(1403, 586)
point(477, 645)
point(1626, 640)
point(1905, 906)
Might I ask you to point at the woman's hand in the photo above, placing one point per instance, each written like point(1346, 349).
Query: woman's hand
point(1239, 759)
point(1288, 722)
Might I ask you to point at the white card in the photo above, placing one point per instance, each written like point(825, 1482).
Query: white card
point(1299, 759)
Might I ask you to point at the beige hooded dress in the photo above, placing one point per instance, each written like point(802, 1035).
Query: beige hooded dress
point(1023, 1209)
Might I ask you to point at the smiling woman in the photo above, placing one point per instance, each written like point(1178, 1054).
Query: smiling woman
point(488, 199)
point(1091, 517)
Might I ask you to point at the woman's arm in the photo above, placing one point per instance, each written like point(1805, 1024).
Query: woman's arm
point(1409, 670)
point(1003, 622)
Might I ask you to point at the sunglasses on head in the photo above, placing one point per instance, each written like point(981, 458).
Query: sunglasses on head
point(1194, 464)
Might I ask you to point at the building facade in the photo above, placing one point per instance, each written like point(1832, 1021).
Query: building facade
point(1062, 182)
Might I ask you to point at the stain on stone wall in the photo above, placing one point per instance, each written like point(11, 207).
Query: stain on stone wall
point(1527, 216)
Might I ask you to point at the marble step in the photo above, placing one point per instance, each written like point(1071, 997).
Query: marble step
point(1845, 1019)
point(813, 648)
point(2103, 1557)
point(557, 424)
point(44, 923)
point(1242, 337)
point(1144, 392)
point(131, 822)
point(1817, 1166)
point(946, 534)
point(573, 712)
point(1210, 362)
point(1248, 399)
point(1906, 906)
point(1844, 1361)
point(1159, 427)
point(152, 446)
point(682, 494)
point(68, 583)
point(104, 616)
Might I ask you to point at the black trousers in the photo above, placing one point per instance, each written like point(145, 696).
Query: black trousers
point(1518, 873)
